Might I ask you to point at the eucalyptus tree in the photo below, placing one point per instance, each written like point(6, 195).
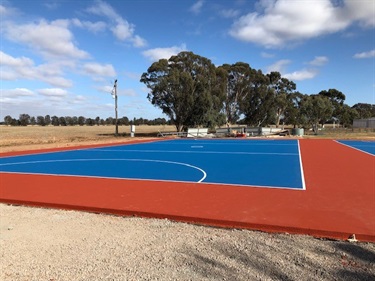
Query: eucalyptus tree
point(292, 112)
point(258, 106)
point(365, 110)
point(316, 109)
point(347, 115)
point(24, 119)
point(282, 89)
point(337, 100)
point(239, 83)
point(187, 89)
point(40, 120)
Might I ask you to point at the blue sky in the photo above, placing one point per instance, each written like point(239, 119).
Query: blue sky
point(61, 57)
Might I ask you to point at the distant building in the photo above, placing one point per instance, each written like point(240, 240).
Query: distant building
point(364, 123)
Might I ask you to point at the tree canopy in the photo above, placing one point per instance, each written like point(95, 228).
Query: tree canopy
point(188, 88)
point(191, 91)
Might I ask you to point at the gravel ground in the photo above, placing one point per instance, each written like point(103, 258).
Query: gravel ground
point(47, 244)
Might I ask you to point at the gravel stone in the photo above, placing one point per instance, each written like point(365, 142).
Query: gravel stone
point(48, 244)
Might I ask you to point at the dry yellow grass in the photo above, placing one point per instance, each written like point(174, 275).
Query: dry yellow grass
point(36, 137)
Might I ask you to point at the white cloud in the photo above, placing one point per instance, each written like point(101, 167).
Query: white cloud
point(16, 62)
point(17, 92)
point(197, 7)
point(365, 55)
point(99, 69)
point(59, 82)
point(53, 92)
point(230, 13)
point(13, 68)
point(121, 28)
point(362, 11)
point(7, 11)
point(51, 39)
point(163, 53)
point(319, 61)
point(105, 89)
point(278, 66)
point(138, 41)
point(301, 74)
point(284, 21)
point(90, 26)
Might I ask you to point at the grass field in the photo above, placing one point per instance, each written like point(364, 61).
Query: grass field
point(36, 137)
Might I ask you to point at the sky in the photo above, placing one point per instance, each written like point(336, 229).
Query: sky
point(61, 57)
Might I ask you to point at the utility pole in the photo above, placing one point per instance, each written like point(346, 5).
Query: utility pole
point(114, 95)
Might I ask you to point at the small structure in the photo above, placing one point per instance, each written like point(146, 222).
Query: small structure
point(242, 131)
point(197, 132)
point(132, 130)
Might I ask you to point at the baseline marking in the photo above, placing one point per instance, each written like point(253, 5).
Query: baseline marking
point(352, 147)
point(184, 151)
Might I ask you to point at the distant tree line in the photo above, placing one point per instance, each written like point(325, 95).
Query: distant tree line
point(192, 91)
point(26, 119)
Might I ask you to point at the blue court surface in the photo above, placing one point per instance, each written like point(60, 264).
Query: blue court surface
point(365, 146)
point(261, 163)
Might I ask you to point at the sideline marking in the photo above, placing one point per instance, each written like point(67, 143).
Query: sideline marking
point(347, 145)
point(301, 166)
point(88, 160)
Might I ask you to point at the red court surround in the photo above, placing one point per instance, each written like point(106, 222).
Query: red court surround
point(339, 199)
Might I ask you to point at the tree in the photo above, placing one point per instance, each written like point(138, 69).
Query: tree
point(365, 110)
point(55, 121)
point(124, 121)
point(81, 120)
point(90, 122)
point(258, 106)
point(62, 121)
point(40, 120)
point(316, 109)
point(97, 121)
point(185, 88)
point(24, 119)
point(8, 120)
point(69, 121)
point(238, 87)
point(337, 99)
point(292, 113)
point(32, 121)
point(347, 115)
point(282, 89)
point(109, 121)
point(47, 119)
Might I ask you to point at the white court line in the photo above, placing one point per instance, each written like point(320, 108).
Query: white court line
point(301, 167)
point(352, 147)
point(157, 180)
point(188, 151)
point(88, 160)
point(211, 142)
